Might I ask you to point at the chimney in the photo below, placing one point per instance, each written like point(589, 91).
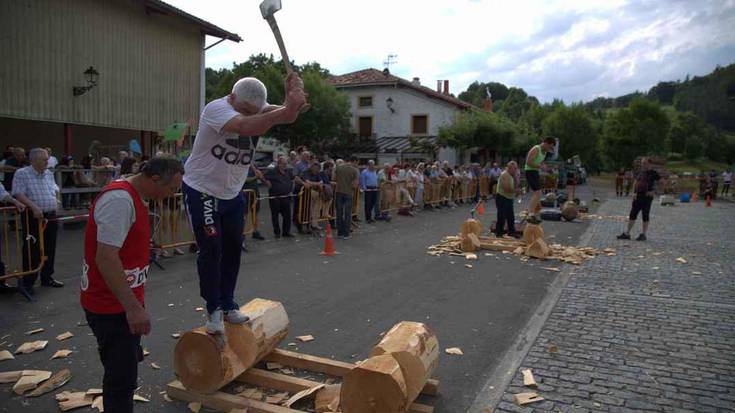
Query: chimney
point(446, 87)
point(438, 86)
point(487, 104)
point(416, 81)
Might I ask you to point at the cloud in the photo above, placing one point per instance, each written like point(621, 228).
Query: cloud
point(573, 50)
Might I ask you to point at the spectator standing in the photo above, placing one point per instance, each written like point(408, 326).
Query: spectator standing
point(505, 194)
point(494, 175)
point(726, 181)
point(280, 183)
point(35, 187)
point(645, 186)
point(314, 184)
point(18, 161)
point(52, 161)
point(714, 182)
point(369, 187)
point(619, 181)
point(628, 181)
point(347, 177)
point(251, 184)
point(6, 198)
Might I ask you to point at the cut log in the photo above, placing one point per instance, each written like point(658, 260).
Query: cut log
point(327, 399)
point(416, 349)
point(374, 386)
point(570, 211)
point(471, 226)
point(538, 249)
point(204, 363)
point(532, 232)
point(470, 243)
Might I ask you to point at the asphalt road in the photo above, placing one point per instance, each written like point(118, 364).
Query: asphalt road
point(380, 277)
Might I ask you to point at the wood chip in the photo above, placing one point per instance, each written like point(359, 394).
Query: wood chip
point(6, 355)
point(98, 404)
point(155, 366)
point(93, 392)
point(681, 260)
point(31, 346)
point(526, 398)
point(175, 335)
point(72, 400)
point(36, 331)
point(287, 371)
point(146, 352)
point(10, 376)
point(554, 269)
point(468, 265)
point(61, 354)
point(138, 398)
point(553, 349)
point(251, 393)
point(454, 350)
point(199, 309)
point(696, 273)
point(57, 380)
point(276, 398)
point(167, 398)
point(30, 380)
point(195, 407)
point(528, 379)
point(64, 336)
point(273, 366)
point(300, 395)
point(470, 256)
point(305, 338)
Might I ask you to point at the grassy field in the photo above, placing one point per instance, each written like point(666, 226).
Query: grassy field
point(695, 166)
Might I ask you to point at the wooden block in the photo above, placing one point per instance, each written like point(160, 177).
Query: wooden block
point(224, 401)
point(276, 381)
point(528, 379)
point(329, 366)
point(526, 398)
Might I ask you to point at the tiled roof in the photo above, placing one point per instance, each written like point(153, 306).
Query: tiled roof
point(207, 27)
point(396, 144)
point(374, 77)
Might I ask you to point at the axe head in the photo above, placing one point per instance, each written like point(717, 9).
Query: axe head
point(269, 7)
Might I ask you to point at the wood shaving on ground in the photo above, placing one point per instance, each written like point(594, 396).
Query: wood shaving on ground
point(155, 366)
point(61, 354)
point(64, 336)
point(681, 260)
point(304, 393)
point(454, 350)
point(251, 393)
point(36, 331)
point(528, 379)
point(276, 398)
point(273, 366)
point(146, 352)
point(6, 355)
point(138, 398)
point(618, 218)
point(31, 346)
point(554, 269)
point(199, 309)
point(468, 265)
point(175, 335)
point(73, 400)
point(452, 246)
point(526, 398)
point(305, 338)
point(194, 407)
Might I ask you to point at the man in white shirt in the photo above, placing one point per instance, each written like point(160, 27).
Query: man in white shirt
point(726, 182)
point(215, 173)
point(52, 161)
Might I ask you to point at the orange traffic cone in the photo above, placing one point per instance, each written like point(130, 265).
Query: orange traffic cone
point(329, 242)
point(481, 208)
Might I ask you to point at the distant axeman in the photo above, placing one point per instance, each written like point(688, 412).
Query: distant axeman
point(645, 185)
point(215, 173)
point(115, 268)
point(535, 161)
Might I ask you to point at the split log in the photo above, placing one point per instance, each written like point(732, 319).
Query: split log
point(471, 226)
point(569, 212)
point(470, 243)
point(538, 249)
point(375, 386)
point(204, 363)
point(532, 232)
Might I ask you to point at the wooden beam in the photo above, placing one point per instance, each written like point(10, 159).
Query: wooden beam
point(329, 366)
point(224, 401)
point(277, 381)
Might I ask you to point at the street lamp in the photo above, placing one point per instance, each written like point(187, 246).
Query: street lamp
point(91, 75)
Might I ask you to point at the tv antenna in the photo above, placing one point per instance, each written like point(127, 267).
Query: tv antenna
point(391, 59)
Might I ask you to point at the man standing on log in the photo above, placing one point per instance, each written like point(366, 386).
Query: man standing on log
point(534, 162)
point(645, 185)
point(114, 272)
point(216, 171)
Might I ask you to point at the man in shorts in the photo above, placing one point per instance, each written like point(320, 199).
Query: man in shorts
point(645, 185)
point(534, 162)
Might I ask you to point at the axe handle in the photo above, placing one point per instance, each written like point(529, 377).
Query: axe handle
point(279, 39)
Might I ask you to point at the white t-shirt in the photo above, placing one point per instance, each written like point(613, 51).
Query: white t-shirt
point(52, 162)
point(219, 161)
point(727, 176)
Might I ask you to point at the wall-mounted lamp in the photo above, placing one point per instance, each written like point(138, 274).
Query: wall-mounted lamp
point(91, 76)
point(389, 104)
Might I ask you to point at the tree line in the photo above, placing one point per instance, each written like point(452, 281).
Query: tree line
point(686, 119)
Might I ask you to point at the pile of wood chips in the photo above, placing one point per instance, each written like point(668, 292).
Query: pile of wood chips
point(451, 245)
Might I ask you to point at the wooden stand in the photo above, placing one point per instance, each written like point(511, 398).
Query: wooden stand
point(281, 382)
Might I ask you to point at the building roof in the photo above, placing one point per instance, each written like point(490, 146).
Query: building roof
point(374, 77)
point(394, 144)
point(206, 27)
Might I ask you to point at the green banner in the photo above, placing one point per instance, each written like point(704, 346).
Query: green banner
point(175, 131)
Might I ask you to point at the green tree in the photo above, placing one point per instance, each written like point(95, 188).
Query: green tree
point(479, 129)
point(477, 91)
point(576, 132)
point(640, 129)
point(516, 104)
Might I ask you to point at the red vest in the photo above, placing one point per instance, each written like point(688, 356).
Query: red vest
point(96, 297)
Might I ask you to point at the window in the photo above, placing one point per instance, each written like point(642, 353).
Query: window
point(365, 124)
point(419, 124)
point(365, 101)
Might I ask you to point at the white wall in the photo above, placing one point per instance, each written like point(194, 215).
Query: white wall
point(406, 102)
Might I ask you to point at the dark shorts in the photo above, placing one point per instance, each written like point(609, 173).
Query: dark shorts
point(641, 203)
point(534, 180)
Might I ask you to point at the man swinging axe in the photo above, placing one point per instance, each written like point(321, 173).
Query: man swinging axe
point(534, 162)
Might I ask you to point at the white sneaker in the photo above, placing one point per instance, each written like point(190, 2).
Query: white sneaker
point(236, 317)
point(215, 324)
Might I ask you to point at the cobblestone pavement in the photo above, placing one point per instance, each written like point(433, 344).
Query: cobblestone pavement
point(641, 331)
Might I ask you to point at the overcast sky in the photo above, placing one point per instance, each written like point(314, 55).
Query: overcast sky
point(573, 50)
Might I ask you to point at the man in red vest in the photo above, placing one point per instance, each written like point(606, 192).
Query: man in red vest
point(116, 258)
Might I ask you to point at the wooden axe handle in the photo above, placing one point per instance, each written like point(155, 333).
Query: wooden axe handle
point(284, 54)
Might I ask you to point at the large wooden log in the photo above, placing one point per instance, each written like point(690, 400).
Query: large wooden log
point(471, 226)
point(569, 212)
point(470, 243)
point(376, 387)
point(204, 363)
point(532, 232)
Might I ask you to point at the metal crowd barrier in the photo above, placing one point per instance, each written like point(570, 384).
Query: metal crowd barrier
point(313, 208)
point(15, 244)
